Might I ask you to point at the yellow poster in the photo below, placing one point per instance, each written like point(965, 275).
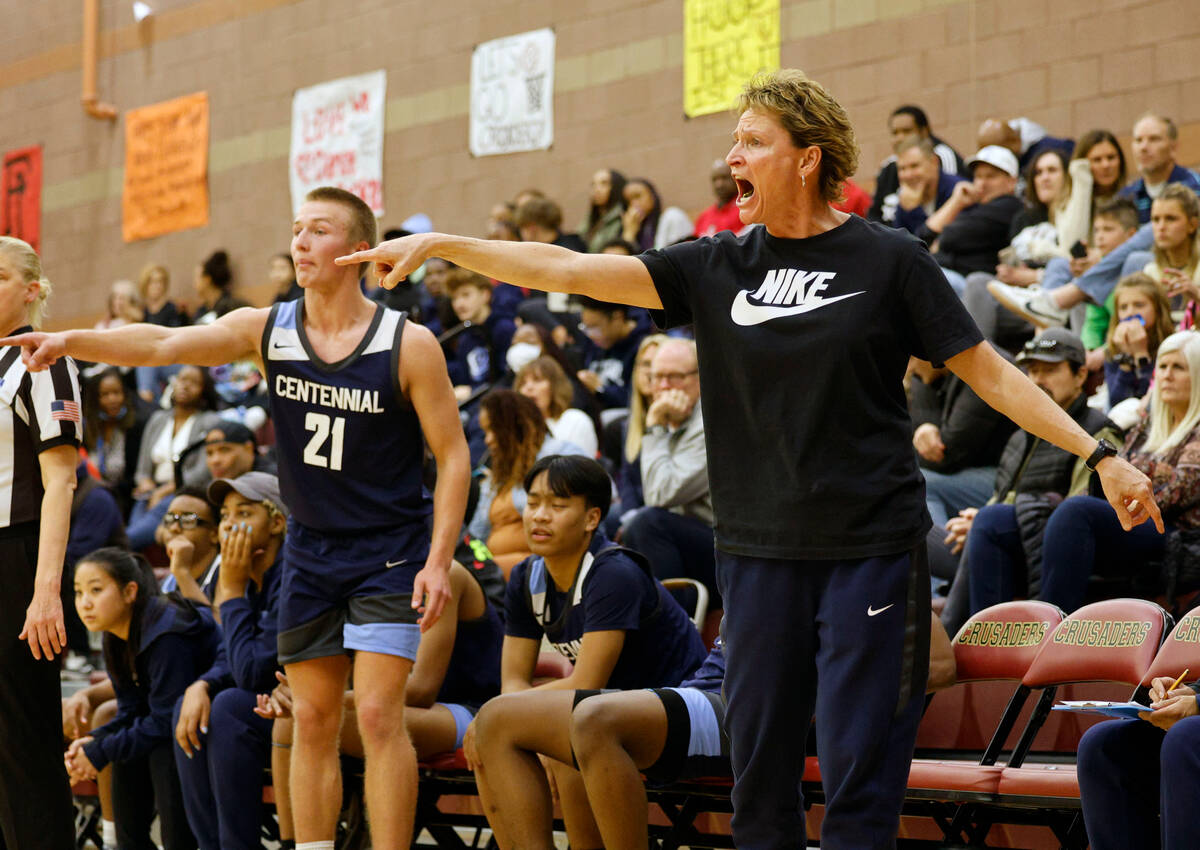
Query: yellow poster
point(725, 43)
point(166, 168)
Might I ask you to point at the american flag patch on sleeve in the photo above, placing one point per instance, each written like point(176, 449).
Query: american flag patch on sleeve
point(65, 410)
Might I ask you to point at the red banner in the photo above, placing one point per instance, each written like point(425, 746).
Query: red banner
point(21, 195)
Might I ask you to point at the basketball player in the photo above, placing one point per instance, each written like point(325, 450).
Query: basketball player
point(355, 389)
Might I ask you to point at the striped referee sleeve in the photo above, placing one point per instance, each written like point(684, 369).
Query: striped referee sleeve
point(55, 409)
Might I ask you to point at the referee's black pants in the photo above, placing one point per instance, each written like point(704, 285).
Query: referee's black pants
point(848, 642)
point(35, 797)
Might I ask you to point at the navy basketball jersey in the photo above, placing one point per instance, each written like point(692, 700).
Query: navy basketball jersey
point(350, 445)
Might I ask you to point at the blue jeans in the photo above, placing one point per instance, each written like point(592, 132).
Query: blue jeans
point(1085, 538)
point(948, 493)
point(144, 521)
point(957, 282)
point(1100, 280)
point(1130, 772)
point(996, 562)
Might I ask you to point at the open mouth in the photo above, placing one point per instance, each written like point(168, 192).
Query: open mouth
point(745, 189)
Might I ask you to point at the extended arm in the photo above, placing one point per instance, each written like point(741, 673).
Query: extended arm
point(1002, 385)
point(234, 336)
point(531, 264)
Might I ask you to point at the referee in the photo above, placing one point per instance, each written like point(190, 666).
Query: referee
point(40, 430)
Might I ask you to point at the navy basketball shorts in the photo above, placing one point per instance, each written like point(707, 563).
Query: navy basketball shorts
point(343, 592)
point(696, 743)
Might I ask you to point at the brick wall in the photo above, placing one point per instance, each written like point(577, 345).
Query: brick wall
point(1068, 64)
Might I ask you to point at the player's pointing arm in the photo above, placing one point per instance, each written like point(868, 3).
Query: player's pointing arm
point(535, 265)
point(232, 337)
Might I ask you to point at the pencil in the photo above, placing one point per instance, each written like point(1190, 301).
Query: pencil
point(1177, 681)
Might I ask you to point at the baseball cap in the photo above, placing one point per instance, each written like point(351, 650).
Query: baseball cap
point(229, 431)
point(997, 156)
point(1053, 346)
point(255, 486)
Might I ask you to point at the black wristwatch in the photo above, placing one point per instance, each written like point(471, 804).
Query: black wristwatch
point(1103, 449)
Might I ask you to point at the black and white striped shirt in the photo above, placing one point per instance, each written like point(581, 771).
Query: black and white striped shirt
point(38, 410)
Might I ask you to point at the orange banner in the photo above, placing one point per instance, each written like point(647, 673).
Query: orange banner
point(166, 168)
point(21, 195)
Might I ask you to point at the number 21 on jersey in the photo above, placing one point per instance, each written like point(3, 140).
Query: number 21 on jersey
point(324, 427)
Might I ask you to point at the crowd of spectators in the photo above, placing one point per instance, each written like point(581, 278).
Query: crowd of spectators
point(1035, 233)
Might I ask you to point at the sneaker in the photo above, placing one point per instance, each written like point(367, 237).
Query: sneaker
point(1031, 304)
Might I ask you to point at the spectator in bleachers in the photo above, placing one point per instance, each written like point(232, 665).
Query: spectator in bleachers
point(516, 434)
point(479, 349)
point(281, 274)
point(1141, 320)
point(1155, 146)
point(167, 434)
point(1082, 540)
point(214, 287)
point(1003, 538)
point(1113, 223)
point(606, 205)
point(1026, 139)
point(1037, 234)
point(967, 232)
point(154, 285)
point(543, 381)
point(958, 438)
point(124, 306)
point(646, 223)
point(854, 199)
point(923, 185)
point(154, 647)
point(600, 607)
point(231, 449)
point(909, 122)
point(539, 219)
point(531, 341)
point(1104, 174)
point(113, 423)
point(223, 745)
point(614, 337)
point(1137, 778)
point(1089, 279)
point(437, 313)
point(189, 533)
point(674, 529)
point(723, 214)
point(1175, 217)
point(629, 471)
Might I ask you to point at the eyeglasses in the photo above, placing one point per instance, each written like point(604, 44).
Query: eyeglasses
point(671, 377)
point(186, 521)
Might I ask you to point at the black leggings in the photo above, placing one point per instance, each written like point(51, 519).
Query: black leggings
point(142, 786)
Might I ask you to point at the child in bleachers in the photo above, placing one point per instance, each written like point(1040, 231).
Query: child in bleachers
point(154, 647)
point(1141, 320)
point(545, 383)
point(479, 350)
point(601, 608)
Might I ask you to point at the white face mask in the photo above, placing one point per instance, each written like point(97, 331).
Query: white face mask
point(521, 353)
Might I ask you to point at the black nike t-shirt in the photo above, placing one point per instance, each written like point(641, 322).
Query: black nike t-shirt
point(803, 344)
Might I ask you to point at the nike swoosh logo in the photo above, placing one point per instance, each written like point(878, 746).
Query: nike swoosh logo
point(746, 314)
point(871, 612)
point(391, 564)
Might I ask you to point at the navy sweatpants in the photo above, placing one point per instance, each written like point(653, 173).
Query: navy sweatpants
point(222, 783)
point(850, 640)
point(1130, 771)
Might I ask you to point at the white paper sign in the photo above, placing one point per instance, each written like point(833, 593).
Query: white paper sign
point(337, 138)
point(512, 94)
